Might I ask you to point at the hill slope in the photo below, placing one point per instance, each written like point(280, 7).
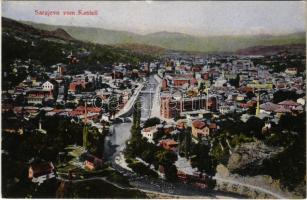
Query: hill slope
point(177, 41)
point(45, 48)
point(55, 33)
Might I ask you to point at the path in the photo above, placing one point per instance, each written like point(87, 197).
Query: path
point(131, 188)
point(223, 180)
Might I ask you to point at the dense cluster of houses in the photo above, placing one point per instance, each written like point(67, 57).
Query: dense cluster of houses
point(224, 87)
point(189, 89)
point(192, 88)
point(59, 90)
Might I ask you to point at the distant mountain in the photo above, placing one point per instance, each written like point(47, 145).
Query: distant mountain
point(48, 47)
point(61, 33)
point(269, 50)
point(56, 33)
point(142, 48)
point(177, 41)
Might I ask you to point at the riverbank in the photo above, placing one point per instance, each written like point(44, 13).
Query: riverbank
point(128, 106)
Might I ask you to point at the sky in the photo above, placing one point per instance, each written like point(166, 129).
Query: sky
point(200, 18)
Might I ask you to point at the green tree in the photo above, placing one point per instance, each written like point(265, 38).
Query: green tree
point(85, 136)
point(151, 122)
point(167, 160)
point(188, 140)
point(113, 103)
point(20, 100)
point(254, 126)
point(55, 91)
point(204, 162)
point(95, 142)
point(282, 95)
point(201, 87)
point(66, 87)
point(78, 89)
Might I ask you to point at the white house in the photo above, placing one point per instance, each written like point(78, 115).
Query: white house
point(220, 81)
point(149, 133)
point(301, 101)
point(291, 71)
point(225, 109)
point(47, 86)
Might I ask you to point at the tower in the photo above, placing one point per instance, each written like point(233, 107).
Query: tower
point(258, 107)
point(207, 90)
point(40, 124)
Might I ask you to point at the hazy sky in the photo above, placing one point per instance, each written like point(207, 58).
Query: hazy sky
point(197, 18)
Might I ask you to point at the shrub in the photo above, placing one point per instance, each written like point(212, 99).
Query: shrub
point(151, 122)
point(142, 169)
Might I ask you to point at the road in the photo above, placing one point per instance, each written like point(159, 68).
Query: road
point(128, 106)
point(207, 196)
point(223, 180)
point(156, 100)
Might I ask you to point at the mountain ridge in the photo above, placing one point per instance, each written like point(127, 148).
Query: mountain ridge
point(163, 32)
point(177, 41)
point(57, 33)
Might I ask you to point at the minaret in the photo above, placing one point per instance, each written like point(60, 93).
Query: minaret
point(207, 90)
point(258, 107)
point(40, 124)
point(223, 74)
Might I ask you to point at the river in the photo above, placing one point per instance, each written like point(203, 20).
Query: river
point(120, 133)
point(116, 141)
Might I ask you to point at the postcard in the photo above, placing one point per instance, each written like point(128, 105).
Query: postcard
point(153, 99)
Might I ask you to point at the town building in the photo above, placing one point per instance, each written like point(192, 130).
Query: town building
point(40, 172)
point(48, 86)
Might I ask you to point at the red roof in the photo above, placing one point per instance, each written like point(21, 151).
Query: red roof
point(73, 85)
point(288, 103)
point(58, 110)
point(75, 113)
point(282, 110)
point(168, 142)
point(269, 106)
point(198, 124)
point(246, 89)
point(89, 109)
